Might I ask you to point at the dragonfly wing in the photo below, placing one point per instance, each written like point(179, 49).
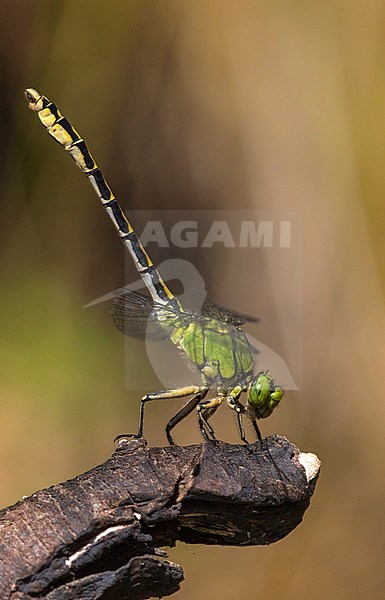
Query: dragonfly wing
point(211, 309)
point(132, 313)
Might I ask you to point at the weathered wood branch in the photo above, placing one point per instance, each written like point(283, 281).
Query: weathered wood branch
point(96, 536)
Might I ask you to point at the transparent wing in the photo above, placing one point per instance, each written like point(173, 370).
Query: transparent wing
point(133, 314)
point(211, 309)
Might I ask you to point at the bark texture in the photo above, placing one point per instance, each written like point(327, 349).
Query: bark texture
point(97, 535)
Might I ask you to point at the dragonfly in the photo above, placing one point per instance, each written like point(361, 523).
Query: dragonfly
point(212, 338)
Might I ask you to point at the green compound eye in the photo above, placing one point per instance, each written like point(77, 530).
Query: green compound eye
point(263, 396)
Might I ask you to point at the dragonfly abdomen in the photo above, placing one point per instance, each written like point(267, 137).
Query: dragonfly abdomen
point(66, 135)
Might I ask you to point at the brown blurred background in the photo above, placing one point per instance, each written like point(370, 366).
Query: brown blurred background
point(202, 105)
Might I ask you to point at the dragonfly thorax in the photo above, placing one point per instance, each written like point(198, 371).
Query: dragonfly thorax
point(220, 350)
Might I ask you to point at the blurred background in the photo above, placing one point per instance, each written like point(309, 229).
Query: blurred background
point(195, 105)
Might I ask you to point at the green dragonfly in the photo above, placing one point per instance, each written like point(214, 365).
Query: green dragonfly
point(211, 338)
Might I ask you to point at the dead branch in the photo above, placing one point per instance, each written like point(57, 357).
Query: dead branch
point(97, 535)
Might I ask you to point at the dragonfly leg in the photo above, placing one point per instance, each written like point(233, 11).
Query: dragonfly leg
point(205, 426)
point(256, 429)
point(234, 403)
point(205, 410)
point(161, 395)
point(166, 395)
point(184, 412)
point(240, 411)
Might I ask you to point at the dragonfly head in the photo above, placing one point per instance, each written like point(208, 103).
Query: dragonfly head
point(263, 396)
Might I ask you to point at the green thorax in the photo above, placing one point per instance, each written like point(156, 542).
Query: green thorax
point(218, 348)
